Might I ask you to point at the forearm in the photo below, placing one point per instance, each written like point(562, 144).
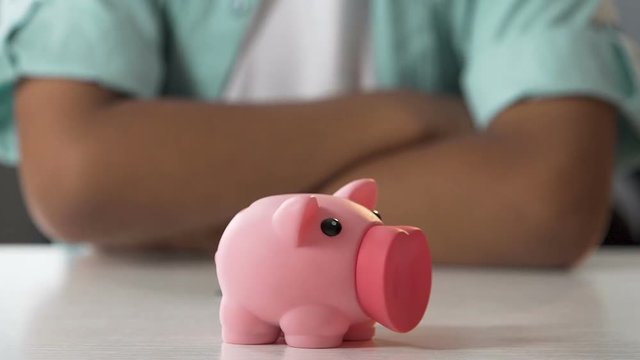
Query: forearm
point(146, 169)
point(494, 199)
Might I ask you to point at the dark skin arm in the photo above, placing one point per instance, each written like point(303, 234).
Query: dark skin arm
point(100, 168)
point(533, 190)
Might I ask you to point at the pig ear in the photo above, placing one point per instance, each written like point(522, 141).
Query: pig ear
point(363, 192)
point(293, 219)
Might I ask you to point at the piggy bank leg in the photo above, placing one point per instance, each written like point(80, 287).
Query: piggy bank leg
point(361, 332)
point(314, 326)
point(239, 326)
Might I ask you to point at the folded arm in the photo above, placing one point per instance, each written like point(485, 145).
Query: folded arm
point(102, 168)
point(532, 190)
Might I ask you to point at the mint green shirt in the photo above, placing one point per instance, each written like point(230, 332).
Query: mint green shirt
point(492, 52)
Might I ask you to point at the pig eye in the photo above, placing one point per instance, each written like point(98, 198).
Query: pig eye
point(377, 213)
point(331, 227)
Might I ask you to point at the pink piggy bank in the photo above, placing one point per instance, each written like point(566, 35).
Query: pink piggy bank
point(320, 269)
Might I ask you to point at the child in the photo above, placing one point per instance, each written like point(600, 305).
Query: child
point(490, 124)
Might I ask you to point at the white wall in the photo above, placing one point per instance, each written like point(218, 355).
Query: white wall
point(630, 16)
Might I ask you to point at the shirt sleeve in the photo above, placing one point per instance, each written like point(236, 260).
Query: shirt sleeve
point(117, 44)
point(513, 49)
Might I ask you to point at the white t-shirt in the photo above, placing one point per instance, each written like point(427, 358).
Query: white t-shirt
point(287, 56)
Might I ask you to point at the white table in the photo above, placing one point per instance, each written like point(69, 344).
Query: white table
point(56, 304)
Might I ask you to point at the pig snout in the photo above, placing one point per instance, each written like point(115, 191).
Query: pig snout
point(393, 276)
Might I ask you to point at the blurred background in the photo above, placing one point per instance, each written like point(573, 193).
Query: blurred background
point(16, 227)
